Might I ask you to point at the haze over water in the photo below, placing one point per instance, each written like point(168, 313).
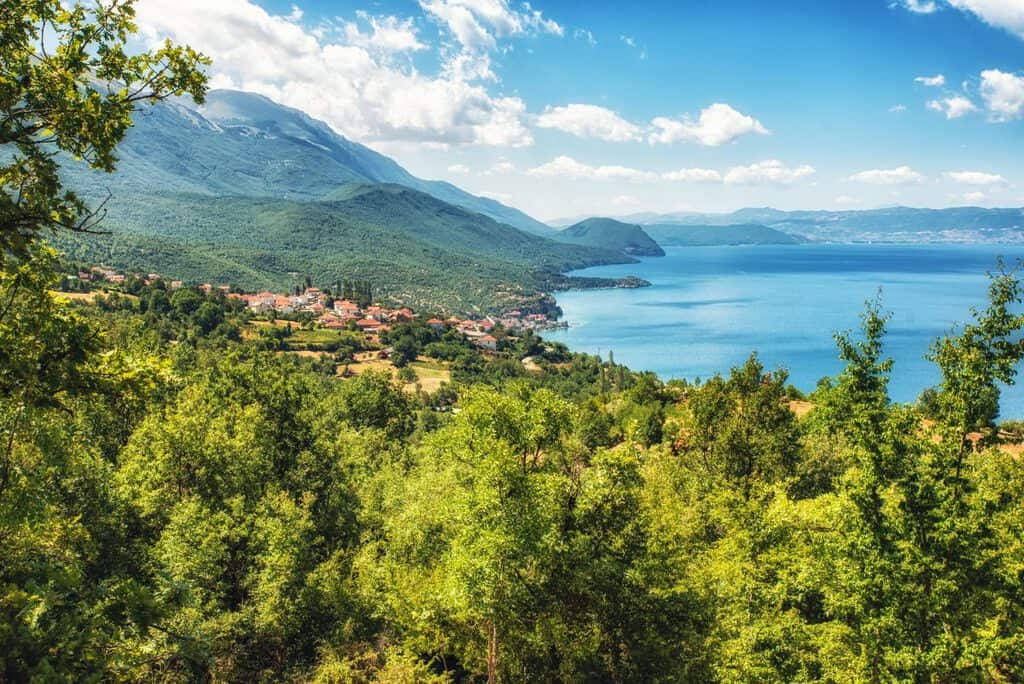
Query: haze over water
point(710, 307)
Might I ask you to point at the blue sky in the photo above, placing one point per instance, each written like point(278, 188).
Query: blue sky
point(568, 108)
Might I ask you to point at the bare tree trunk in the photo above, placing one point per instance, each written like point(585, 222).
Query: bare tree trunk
point(492, 655)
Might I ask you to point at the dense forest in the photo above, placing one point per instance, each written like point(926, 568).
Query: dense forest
point(183, 501)
point(179, 504)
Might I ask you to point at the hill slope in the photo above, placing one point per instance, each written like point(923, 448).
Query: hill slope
point(245, 144)
point(411, 245)
point(675, 235)
point(611, 234)
point(248, 192)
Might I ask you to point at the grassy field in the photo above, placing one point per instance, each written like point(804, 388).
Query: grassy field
point(430, 373)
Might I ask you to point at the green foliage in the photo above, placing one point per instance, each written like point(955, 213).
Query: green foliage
point(68, 84)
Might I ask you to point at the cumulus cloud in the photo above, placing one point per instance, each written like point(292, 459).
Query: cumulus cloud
point(973, 197)
point(693, 176)
point(1004, 14)
point(770, 172)
point(389, 34)
point(478, 23)
point(846, 200)
point(345, 80)
point(589, 121)
point(920, 6)
point(898, 109)
point(716, 125)
point(975, 178)
point(567, 167)
point(1003, 94)
point(954, 106)
point(903, 175)
point(936, 81)
point(458, 168)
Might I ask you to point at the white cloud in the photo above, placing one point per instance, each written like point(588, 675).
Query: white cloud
point(953, 107)
point(631, 42)
point(771, 172)
point(972, 197)
point(932, 81)
point(1003, 94)
point(567, 167)
point(717, 125)
point(903, 175)
point(500, 168)
point(477, 24)
point(386, 33)
point(1005, 14)
point(589, 121)
point(898, 109)
point(846, 200)
point(458, 168)
point(625, 201)
point(359, 92)
point(975, 178)
point(693, 176)
point(585, 35)
point(920, 6)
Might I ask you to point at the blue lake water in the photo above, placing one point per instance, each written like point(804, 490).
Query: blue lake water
point(710, 307)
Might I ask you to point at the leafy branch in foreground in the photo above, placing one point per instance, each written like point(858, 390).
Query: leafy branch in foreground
point(68, 84)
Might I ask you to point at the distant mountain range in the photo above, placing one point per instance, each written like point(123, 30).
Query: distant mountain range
point(679, 235)
point(611, 234)
point(894, 224)
point(247, 192)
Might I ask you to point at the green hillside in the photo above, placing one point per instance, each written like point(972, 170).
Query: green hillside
point(410, 245)
point(247, 192)
point(674, 235)
point(245, 144)
point(611, 234)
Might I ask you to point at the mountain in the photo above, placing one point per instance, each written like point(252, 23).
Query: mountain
point(250, 193)
point(890, 224)
point(677, 235)
point(608, 233)
point(245, 144)
point(410, 245)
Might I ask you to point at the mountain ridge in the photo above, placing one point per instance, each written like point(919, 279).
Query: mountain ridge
point(630, 239)
point(964, 224)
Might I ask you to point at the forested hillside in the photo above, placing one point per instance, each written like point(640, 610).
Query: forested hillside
point(411, 245)
point(611, 234)
point(246, 192)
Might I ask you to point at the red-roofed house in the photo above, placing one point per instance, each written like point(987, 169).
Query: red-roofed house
point(487, 342)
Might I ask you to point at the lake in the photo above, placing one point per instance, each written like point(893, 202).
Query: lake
point(709, 307)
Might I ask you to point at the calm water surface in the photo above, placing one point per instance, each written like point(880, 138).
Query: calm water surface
point(710, 307)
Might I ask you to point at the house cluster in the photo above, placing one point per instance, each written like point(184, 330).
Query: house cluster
point(313, 300)
point(518, 320)
point(476, 331)
point(104, 274)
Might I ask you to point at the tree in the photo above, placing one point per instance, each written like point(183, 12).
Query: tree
point(69, 85)
point(740, 430)
point(912, 570)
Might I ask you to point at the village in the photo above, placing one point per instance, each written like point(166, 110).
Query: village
point(333, 313)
